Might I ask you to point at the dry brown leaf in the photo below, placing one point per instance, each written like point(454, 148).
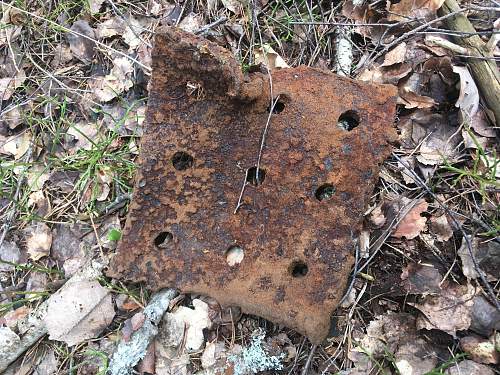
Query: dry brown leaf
point(395, 334)
point(468, 268)
point(188, 324)
point(132, 32)
point(79, 312)
point(266, 55)
point(421, 279)
point(234, 6)
point(9, 252)
point(480, 350)
point(37, 175)
point(95, 6)
point(377, 217)
point(468, 367)
point(9, 84)
point(481, 125)
point(191, 23)
point(12, 317)
point(12, 118)
point(12, 21)
point(80, 41)
point(440, 143)
point(396, 55)
point(111, 27)
point(450, 311)
point(414, 8)
point(48, 365)
point(124, 118)
point(38, 240)
point(441, 228)
point(413, 223)
point(62, 56)
point(16, 145)
point(485, 317)
point(70, 245)
point(81, 136)
point(119, 80)
point(411, 100)
point(388, 74)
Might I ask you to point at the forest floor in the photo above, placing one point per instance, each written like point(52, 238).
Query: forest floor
point(73, 93)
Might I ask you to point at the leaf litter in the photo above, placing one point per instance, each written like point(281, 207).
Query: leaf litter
point(442, 122)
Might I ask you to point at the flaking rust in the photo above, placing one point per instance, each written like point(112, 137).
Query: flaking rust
point(296, 224)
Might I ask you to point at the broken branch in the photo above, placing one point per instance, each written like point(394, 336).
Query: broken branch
point(129, 353)
point(483, 68)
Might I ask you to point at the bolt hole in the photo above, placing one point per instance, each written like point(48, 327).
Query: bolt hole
point(163, 239)
point(299, 269)
point(325, 191)
point(255, 178)
point(234, 255)
point(182, 160)
point(348, 120)
point(279, 106)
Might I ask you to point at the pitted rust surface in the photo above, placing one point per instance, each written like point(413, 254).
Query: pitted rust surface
point(205, 121)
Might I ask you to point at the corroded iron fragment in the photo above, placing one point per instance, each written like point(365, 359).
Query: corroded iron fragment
point(298, 217)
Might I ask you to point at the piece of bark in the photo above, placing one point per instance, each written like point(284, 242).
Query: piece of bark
point(481, 62)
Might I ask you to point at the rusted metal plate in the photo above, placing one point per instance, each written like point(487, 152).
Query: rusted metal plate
point(296, 226)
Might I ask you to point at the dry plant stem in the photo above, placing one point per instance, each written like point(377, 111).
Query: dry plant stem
point(484, 69)
point(305, 370)
point(129, 353)
point(32, 328)
point(410, 172)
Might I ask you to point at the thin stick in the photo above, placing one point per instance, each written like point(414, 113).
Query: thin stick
point(305, 370)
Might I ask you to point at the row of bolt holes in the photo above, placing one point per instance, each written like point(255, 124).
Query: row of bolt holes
point(182, 160)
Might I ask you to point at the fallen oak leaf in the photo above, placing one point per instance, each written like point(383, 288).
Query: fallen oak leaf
point(79, 312)
point(412, 223)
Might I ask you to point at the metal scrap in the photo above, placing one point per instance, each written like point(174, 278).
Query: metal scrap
point(282, 247)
